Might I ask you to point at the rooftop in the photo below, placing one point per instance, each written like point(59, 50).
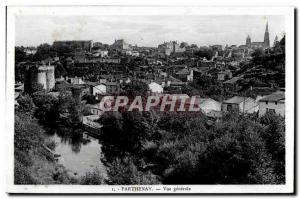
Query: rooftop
point(235, 100)
point(274, 97)
point(184, 71)
point(233, 80)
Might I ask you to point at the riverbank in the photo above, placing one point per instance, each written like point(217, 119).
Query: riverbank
point(36, 165)
point(36, 122)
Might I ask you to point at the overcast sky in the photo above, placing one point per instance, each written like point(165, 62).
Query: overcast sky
point(147, 30)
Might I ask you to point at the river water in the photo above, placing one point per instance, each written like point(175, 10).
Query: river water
point(79, 154)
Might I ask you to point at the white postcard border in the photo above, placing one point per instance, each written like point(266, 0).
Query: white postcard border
point(288, 12)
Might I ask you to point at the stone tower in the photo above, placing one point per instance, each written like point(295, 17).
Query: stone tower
point(266, 37)
point(39, 74)
point(248, 42)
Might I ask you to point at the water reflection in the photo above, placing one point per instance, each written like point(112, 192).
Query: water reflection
point(79, 152)
point(73, 137)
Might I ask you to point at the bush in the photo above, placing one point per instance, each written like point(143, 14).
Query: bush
point(124, 172)
point(93, 178)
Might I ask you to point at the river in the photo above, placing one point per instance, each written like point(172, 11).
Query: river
point(79, 154)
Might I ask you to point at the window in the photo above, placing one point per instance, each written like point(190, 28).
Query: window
point(229, 107)
point(275, 103)
point(266, 102)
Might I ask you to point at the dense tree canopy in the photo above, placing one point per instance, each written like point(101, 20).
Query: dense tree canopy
point(186, 149)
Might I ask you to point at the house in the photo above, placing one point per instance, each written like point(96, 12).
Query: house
point(206, 64)
point(233, 83)
point(155, 87)
point(240, 104)
point(78, 91)
point(75, 80)
point(30, 50)
point(113, 87)
point(98, 89)
point(274, 102)
point(224, 75)
point(173, 69)
point(100, 53)
point(173, 82)
point(132, 53)
point(197, 73)
point(185, 75)
point(62, 85)
point(208, 105)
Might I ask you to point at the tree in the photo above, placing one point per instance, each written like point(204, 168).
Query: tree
point(274, 136)
point(37, 87)
point(47, 111)
point(20, 54)
point(43, 52)
point(135, 88)
point(27, 132)
point(229, 152)
point(122, 132)
point(184, 148)
point(67, 105)
point(26, 104)
point(205, 52)
point(189, 90)
point(258, 56)
point(125, 172)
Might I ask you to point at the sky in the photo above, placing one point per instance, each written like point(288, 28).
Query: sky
point(147, 30)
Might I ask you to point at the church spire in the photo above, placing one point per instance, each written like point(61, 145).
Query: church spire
point(248, 41)
point(266, 37)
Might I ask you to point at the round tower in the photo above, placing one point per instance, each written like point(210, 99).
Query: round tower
point(50, 77)
point(30, 78)
point(41, 76)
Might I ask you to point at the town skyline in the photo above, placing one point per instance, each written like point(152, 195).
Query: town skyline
point(148, 30)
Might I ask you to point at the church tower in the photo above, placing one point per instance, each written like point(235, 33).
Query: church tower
point(248, 42)
point(266, 37)
point(275, 41)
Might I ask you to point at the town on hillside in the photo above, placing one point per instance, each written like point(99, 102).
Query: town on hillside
point(224, 77)
point(237, 136)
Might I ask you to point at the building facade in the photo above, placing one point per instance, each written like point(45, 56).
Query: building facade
point(170, 47)
point(86, 45)
point(240, 104)
point(120, 45)
point(264, 44)
point(274, 103)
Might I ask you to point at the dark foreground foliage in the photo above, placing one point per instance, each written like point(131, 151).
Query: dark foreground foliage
point(32, 163)
point(151, 148)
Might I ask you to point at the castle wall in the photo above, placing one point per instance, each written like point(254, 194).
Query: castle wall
point(50, 78)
